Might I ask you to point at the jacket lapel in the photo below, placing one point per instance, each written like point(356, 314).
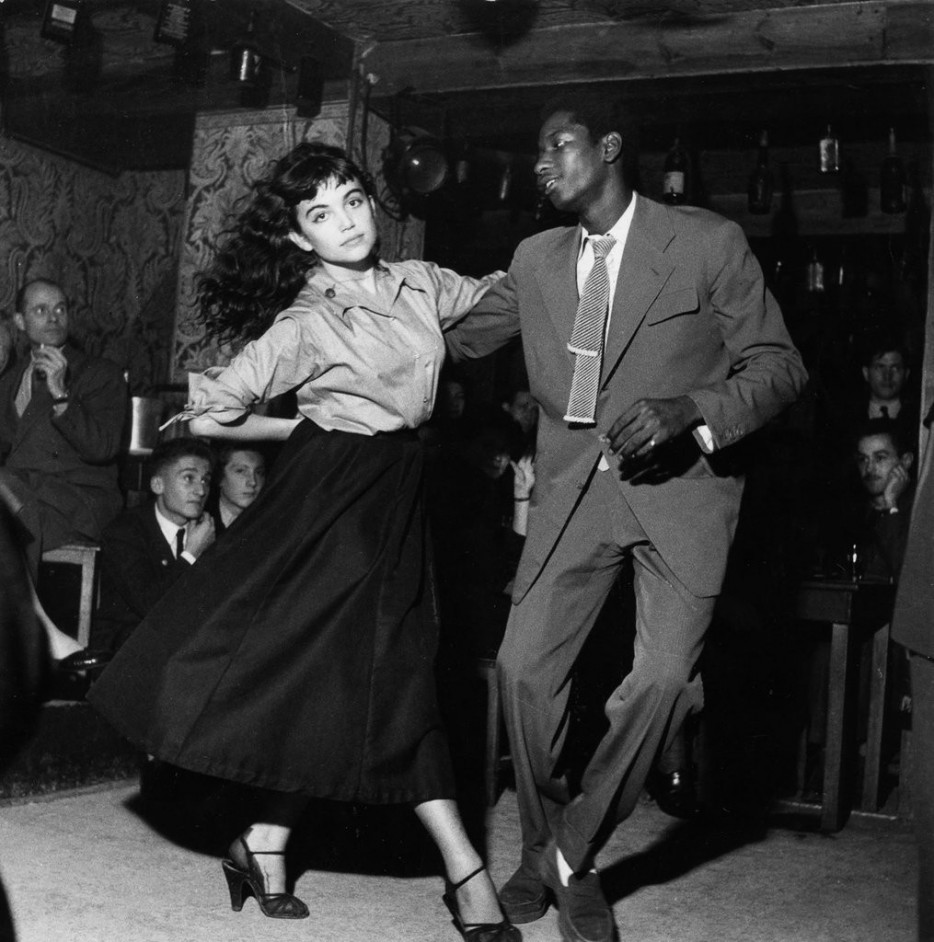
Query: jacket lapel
point(644, 270)
point(557, 277)
point(20, 423)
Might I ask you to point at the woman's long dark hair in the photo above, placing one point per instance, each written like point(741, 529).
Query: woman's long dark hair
point(258, 270)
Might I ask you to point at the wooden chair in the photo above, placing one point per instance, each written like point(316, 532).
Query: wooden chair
point(85, 556)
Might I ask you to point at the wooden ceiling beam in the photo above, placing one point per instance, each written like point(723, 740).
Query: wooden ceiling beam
point(769, 40)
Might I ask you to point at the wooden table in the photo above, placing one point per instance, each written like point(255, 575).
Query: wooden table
point(850, 607)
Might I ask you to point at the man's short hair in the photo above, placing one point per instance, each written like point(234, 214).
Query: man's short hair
point(21, 294)
point(224, 451)
point(167, 452)
point(877, 344)
point(880, 426)
point(600, 115)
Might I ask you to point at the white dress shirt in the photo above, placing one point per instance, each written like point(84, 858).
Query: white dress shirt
point(170, 531)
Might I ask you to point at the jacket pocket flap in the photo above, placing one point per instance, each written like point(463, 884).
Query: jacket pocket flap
point(672, 304)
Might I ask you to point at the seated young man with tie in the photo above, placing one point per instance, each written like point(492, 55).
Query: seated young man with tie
point(146, 548)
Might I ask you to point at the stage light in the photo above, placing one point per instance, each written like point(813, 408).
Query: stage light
point(414, 162)
point(62, 20)
point(174, 24)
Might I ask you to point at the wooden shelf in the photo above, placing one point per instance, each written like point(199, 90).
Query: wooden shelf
point(819, 213)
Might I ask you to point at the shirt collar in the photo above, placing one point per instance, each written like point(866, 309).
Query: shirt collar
point(619, 230)
point(169, 529)
point(337, 292)
point(892, 407)
point(324, 283)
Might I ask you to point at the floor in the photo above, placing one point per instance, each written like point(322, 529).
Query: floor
point(101, 864)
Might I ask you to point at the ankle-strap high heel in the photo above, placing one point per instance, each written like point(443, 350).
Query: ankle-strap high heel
point(251, 878)
point(503, 931)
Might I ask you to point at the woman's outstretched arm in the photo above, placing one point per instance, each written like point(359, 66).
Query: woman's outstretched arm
point(256, 427)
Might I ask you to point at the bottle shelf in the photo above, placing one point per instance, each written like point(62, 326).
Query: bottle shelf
point(818, 213)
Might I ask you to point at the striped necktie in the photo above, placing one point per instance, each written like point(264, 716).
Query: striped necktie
point(587, 336)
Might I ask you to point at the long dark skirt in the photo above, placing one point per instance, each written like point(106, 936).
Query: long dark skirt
point(298, 652)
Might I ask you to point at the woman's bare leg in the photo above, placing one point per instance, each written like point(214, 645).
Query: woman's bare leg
point(270, 834)
point(477, 898)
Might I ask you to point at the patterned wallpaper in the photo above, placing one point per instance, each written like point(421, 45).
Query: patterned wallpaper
point(126, 248)
point(112, 242)
point(230, 151)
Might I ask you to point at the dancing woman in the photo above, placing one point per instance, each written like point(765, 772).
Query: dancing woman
point(298, 655)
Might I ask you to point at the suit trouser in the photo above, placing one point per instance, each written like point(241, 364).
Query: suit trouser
point(545, 633)
point(42, 525)
point(922, 791)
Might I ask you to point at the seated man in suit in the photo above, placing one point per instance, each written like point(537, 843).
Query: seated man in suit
point(146, 548)
point(874, 523)
point(880, 525)
point(61, 424)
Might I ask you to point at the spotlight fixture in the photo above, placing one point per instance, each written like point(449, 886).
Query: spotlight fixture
point(414, 162)
point(502, 22)
point(61, 20)
point(174, 24)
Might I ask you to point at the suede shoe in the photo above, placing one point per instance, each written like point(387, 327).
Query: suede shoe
point(584, 915)
point(523, 897)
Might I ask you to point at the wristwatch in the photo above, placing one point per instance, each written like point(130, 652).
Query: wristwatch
point(64, 397)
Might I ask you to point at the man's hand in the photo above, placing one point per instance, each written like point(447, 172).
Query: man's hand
point(649, 423)
point(200, 535)
point(51, 361)
point(895, 485)
point(523, 479)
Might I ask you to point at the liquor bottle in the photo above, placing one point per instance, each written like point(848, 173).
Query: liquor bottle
point(760, 180)
point(853, 563)
point(815, 273)
point(674, 188)
point(505, 183)
point(892, 180)
point(829, 161)
point(245, 60)
point(462, 165)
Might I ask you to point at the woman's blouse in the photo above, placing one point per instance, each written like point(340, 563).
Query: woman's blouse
point(358, 362)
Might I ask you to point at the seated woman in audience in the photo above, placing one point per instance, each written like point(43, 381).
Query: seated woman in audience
point(239, 476)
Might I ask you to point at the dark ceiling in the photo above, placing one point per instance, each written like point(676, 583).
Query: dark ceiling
point(474, 70)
